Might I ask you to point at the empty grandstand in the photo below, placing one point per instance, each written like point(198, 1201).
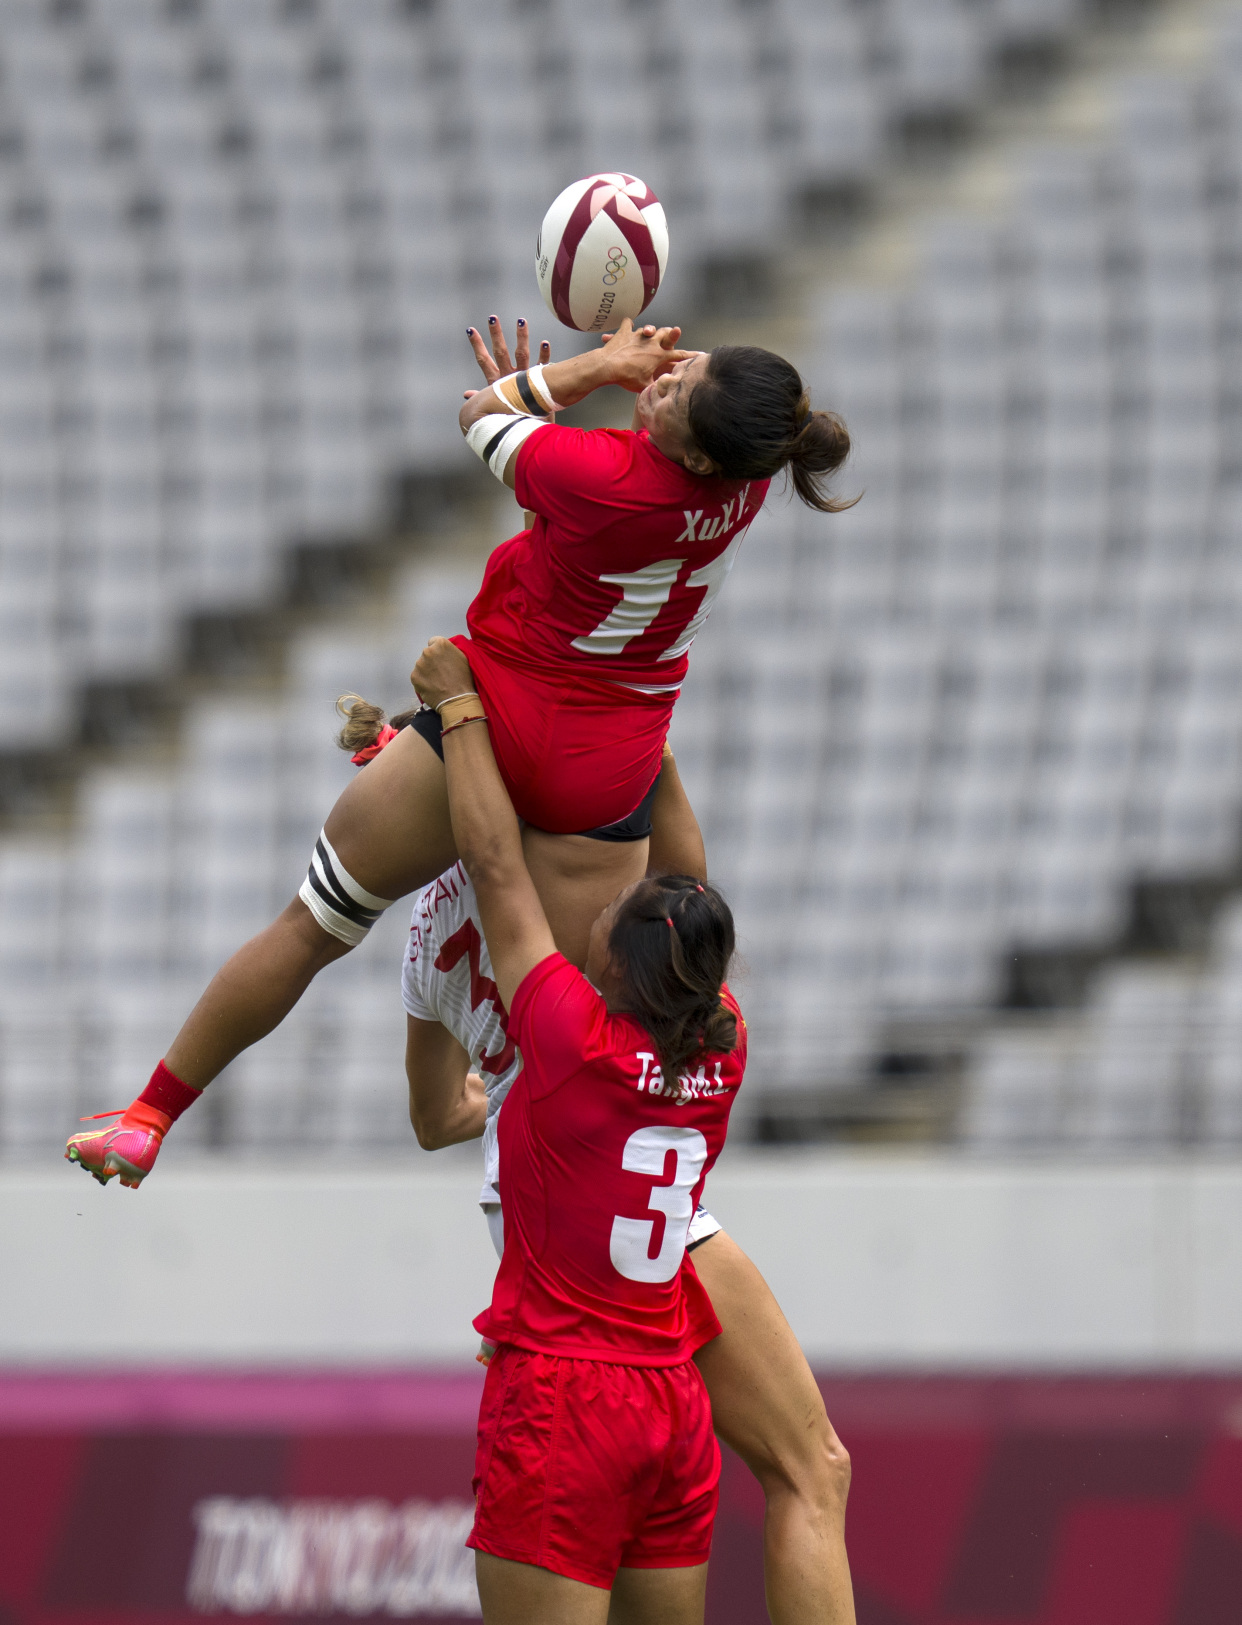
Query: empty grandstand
point(241, 240)
point(960, 721)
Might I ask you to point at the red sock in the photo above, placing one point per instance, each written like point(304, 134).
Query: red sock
point(166, 1093)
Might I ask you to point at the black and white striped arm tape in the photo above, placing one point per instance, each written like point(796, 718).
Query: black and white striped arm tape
point(340, 905)
point(496, 438)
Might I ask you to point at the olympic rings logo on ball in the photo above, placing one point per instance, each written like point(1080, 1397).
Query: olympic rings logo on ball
point(615, 270)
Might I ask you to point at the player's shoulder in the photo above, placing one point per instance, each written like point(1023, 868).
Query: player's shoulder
point(555, 1002)
point(562, 442)
point(552, 979)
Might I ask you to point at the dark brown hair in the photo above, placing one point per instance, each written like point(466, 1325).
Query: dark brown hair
point(751, 414)
point(673, 974)
point(363, 721)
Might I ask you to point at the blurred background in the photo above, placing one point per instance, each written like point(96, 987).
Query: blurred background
point(968, 759)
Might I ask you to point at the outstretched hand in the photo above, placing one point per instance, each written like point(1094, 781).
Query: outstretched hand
point(499, 363)
point(442, 671)
point(638, 356)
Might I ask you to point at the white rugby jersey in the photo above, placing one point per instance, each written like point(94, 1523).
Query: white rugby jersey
point(448, 978)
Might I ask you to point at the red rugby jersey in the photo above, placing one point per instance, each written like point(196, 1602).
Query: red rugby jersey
point(619, 571)
point(600, 1174)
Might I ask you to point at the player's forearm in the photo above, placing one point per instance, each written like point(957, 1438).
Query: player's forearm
point(485, 826)
point(440, 1122)
point(566, 382)
point(572, 380)
point(676, 839)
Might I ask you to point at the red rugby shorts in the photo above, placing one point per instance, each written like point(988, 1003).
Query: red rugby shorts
point(575, 753)
point(585, 1467)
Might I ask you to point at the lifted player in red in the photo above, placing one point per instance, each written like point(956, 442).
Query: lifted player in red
point(597, 1468)
point(579, 641)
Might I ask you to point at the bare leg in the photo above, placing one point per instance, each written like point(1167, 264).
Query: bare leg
point(391, 830)
point(521, 1594)
point(390, 826)
point(659, 1596)
point(576, 877)
point(766, 1406)
point(251, 993)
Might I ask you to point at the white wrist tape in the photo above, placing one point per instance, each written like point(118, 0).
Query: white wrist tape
point(527, 392)
point(496, 438)
point(537, 382)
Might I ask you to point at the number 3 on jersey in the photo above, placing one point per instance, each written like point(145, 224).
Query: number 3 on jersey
point(645, 1153)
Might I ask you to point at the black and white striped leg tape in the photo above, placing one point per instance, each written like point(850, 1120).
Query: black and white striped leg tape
point(340, 905)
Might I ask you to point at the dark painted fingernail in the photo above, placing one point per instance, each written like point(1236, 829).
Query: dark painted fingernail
point(470, 332)
point(521, 321)
point(491, 321)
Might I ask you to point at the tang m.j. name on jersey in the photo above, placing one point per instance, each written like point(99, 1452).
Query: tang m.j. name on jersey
point(700, 1085)
point(448, 978)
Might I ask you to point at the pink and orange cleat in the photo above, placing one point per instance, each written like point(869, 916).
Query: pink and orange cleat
point(129, 1148)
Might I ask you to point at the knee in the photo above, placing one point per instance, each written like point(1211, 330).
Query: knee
point(816, 1471)
point(837, 1469)
point(317, 946)
point(823, 1476)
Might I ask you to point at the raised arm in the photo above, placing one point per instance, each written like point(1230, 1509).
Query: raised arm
point(485, 825)
point(631, 359)
point(676, 840)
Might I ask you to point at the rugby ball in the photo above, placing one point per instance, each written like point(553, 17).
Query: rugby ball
point(601, 251)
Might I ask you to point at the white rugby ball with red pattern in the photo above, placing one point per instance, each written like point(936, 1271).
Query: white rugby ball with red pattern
point(601, 252)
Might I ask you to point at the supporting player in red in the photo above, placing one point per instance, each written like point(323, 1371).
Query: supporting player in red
point(597, 1467)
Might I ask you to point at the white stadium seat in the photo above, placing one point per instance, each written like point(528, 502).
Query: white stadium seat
point(963, 716)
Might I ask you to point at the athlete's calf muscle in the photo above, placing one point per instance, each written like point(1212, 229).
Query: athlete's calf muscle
point(251, 994)
point(767, 1406)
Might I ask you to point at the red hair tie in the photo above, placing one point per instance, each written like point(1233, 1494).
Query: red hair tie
point(697, 887)
point(671, 926)
point(385, 736)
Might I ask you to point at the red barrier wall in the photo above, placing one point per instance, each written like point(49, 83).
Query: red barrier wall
point(1084, 1501)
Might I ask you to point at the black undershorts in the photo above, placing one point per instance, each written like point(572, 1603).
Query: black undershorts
point(635, 827)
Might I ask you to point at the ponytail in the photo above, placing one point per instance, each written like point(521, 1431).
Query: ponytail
point(751, 414)
point(820, 446)
point(672, 940)
point(364, 722)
